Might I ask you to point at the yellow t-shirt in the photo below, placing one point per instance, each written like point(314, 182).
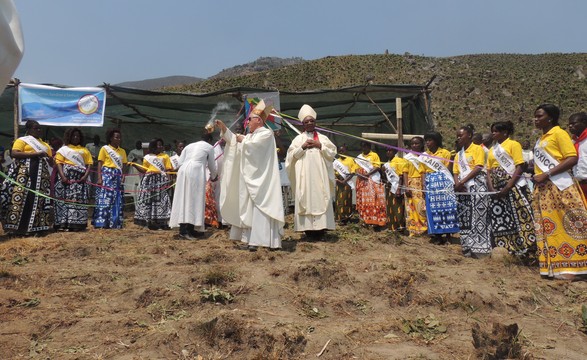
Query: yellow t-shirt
point(512, 147)
point(60, 159)
point(440, 153)
point(349, 162)
point(21, 145)
point(373, 158)
point(153, 169)
point(558, 144)
point(475, 156)
point(413, 170)
point(107, 161)
point(399, 165)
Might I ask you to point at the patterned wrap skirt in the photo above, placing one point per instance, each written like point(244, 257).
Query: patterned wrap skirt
point(396, 219)
point(416, 208)
point(512, 221)
point(210, 210)
point(153, 207)
point(441, 205)
point(343, 205)
point(474, 220)
point(109, 200)
point(560, 222)
point(371, 200)
point(23, 211)
point(71, 206)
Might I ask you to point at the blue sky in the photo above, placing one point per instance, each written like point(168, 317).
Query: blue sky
point(86, 43)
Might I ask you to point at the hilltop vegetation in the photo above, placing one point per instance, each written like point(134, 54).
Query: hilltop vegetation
point(477, 89)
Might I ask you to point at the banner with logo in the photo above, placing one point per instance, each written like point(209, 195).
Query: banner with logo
point(61, 107)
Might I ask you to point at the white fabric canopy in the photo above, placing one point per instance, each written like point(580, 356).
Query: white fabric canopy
point(11, 42)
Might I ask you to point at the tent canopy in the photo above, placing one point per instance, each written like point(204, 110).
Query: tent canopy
point(143, 115)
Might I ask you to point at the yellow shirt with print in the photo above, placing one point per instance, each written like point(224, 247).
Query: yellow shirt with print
point(22, 146)
point(439, 153)
point(107, 161)
point(150, 168)
point(349, 162)
point(512, 147)
point(373, 158)
point(399, 165)
point(475, 156)
point(558, 144)
point(60, 159)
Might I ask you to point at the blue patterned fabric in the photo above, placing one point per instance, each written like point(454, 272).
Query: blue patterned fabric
point(441, 204)
point(109, 203)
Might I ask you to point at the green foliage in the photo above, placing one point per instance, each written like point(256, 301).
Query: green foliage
point(216, 295)
point(428, 328)
point(583, 327)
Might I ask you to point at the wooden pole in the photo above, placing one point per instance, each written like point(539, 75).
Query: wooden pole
point(400, 125)
point(387, 136)
point(15, 108)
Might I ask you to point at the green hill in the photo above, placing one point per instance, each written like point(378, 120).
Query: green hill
point(477, 89)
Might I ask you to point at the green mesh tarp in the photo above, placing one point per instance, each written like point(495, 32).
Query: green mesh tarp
point(143, 115)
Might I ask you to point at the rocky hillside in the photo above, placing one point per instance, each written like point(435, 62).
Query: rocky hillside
point(478, 89)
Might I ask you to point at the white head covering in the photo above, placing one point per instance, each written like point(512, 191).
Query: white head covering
point(306, 111)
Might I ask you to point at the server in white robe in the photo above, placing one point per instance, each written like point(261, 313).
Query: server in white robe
point(310, 171)
point(250, 195)
point(189, 200)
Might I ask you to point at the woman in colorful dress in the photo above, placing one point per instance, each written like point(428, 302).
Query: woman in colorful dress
point(560, 213)
point(73, 162)
point(153, 207)
point(473, 202)
point(110, 189)
point(441, 205)
point(370, 190)
point(396, 173)
point(25, 212)
point(414, 194)
point(511, 217)
point(344, 171)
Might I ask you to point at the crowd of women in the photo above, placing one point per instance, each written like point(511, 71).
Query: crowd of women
point(480, 193)
point(477, 192)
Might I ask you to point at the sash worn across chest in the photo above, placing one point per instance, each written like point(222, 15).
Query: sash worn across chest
point(413, 159)
point(436, 165)
point(392, 177)
point(545, 162)
point(343, 170)
point(365, 164)
point(75, 157)
point(506, 162)
point(34, 143)
point(156, 162)
point(116, 158)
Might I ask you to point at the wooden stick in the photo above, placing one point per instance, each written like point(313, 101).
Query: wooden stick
point(324, 348)
point(383, 112)
point(400, 124)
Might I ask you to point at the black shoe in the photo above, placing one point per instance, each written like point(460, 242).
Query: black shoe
point(186, 237)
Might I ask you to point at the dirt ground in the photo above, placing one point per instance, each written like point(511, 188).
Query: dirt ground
point(359, 294)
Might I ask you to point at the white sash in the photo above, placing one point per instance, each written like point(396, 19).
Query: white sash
point(392, 177)
point(436, 165)
point(34, 143)
point(174, 161)
point(75, 157)
point(413, 159)
point(465, 169)
point(116, 158)
point(156, 162)
point(546, 162)
point(507, 163)
point(366, 165)
point(343, 170)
